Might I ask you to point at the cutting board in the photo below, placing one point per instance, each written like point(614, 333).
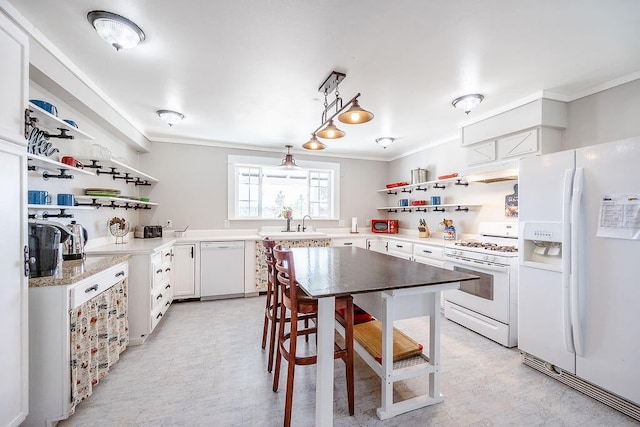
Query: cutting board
point(511, 203)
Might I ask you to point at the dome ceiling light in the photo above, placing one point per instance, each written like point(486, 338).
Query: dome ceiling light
point(467, 103)
point(170, 117)
point(116, 30)
point(385, 141)
point(349, 113)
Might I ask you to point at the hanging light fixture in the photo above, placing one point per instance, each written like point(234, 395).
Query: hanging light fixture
point(288, 162)
point(385, 141)
point(170, 117)
point(116, 30)
point(467, 103)
point(354, 114)
point(314, 144)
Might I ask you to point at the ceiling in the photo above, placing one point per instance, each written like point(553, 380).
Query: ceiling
point(248, 72)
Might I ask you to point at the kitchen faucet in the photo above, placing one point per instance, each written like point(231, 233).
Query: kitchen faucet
point(303, 227)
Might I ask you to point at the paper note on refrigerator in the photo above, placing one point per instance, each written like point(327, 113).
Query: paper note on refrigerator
point(619, 216)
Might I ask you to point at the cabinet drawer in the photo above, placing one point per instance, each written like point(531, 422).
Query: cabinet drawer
point(428, 251)
point(96, 284)
point(400, 246)
point(359, 242)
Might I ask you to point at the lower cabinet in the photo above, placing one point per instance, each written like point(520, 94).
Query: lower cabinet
point(399, 248)
point(150, 291)
point(185, 268)
point(360, 242)
point(76, 333)
point(377, 245)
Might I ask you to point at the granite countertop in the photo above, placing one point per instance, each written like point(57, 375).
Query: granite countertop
point(74, 271)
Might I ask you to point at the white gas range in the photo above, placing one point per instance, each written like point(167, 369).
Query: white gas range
point(489, 305)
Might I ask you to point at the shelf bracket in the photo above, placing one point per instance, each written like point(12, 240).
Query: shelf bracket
point(392, 210)
point(94, 203)
point(138, 181)
point(392, 192)
point(419, 188)
point(459, 182)
point(440, 186)
point(62, 135)
point(127, 178)
point(29, 122)
point(62, 214)
point(459, 209)
point(404, 190)
point(113, 172)
point(94, 165)
point(62, 175)
point(439, 209)
point(406, 210)
point(421, 209)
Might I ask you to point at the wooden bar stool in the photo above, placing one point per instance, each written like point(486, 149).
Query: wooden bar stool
point(273, 303)
point(298, 304)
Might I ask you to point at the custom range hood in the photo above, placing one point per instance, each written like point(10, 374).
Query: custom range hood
point(493, 172)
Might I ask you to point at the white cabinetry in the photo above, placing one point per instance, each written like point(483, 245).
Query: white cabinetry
point(428, 254)
point(150, 291)
point(13, 199)
point(481, 153)
point(399, 248)
point(360, 242)
point(185, 265)
point(76, 334)
point(377, 245)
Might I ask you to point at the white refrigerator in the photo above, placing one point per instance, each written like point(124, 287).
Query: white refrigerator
point(579, 276)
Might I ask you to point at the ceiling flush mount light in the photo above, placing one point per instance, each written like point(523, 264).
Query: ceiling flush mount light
point(116, 30)
point(467, 103)
point(349, 112)
point(385, 141)
point(288, 162)
point(170, 117)
point(314, 144)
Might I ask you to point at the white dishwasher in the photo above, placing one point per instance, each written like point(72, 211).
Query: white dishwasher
point(221, 270)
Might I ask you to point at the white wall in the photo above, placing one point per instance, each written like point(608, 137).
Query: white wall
point(193, 186)
point(442, 160)
point(95, 220)
point(604, 116)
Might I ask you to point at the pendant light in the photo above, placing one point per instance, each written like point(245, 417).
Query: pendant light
point(467, 103)
point(288, 162)
point(314, 144)
point(116, 30)
point(330, 131)
point(355, 115)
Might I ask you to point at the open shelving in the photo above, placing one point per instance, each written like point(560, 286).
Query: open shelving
point(118, 170)
point(47, 165)
point(37, 117)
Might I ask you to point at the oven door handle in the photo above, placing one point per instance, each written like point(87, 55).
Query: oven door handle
point(477, 265)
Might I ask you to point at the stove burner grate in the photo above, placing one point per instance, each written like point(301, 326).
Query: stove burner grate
point(487, 246)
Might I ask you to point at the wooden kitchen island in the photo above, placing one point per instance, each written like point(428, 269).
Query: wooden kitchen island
point(390, 289)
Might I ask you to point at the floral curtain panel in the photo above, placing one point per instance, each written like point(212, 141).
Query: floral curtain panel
point(99, 333)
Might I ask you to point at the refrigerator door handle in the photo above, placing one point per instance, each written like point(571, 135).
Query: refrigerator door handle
point(575, 279)
point(567, 250)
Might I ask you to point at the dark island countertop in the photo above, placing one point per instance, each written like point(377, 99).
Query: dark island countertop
point(333, 271)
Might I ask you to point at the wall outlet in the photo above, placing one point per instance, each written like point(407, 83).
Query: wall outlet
point(226, 223)
point(168, 223)
point(341, 223)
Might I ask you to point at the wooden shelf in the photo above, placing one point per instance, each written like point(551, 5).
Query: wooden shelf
point(426, 208)
point(118, 170)
point(49, 122)
point(423, 186)
point(115, 202)
point(47, 164)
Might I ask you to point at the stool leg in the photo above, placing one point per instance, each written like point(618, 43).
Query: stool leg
point(276, 374)
point(291, 370)
point(266, 316)
point(349, 362)
point(275, 323)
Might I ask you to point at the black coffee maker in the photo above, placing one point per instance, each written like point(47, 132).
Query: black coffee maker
point(45, 248)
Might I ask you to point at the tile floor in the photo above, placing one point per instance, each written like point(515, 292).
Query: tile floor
point(203, 366)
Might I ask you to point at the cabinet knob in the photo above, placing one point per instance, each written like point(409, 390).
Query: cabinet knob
point(159, 297)
point(348, 243)
point(159, 315)
point(159, 271)
point(120, 273)
point(167, 287)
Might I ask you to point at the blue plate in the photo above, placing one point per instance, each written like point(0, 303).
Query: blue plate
point(49, 108)
point(71, 122)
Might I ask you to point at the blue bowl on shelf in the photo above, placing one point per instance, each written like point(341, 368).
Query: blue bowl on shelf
point(71, 123)
point(49, 108)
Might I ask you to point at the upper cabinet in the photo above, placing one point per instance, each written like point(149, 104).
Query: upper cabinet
point(533, 128)
point(14, 80)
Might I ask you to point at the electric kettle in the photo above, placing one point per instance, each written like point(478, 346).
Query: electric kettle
point(73, 247)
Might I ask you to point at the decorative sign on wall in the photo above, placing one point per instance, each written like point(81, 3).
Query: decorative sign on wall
point(511, 203)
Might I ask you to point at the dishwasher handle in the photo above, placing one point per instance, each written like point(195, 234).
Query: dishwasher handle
point(221, 245)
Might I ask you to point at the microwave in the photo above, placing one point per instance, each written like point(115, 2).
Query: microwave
point(388, 226)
